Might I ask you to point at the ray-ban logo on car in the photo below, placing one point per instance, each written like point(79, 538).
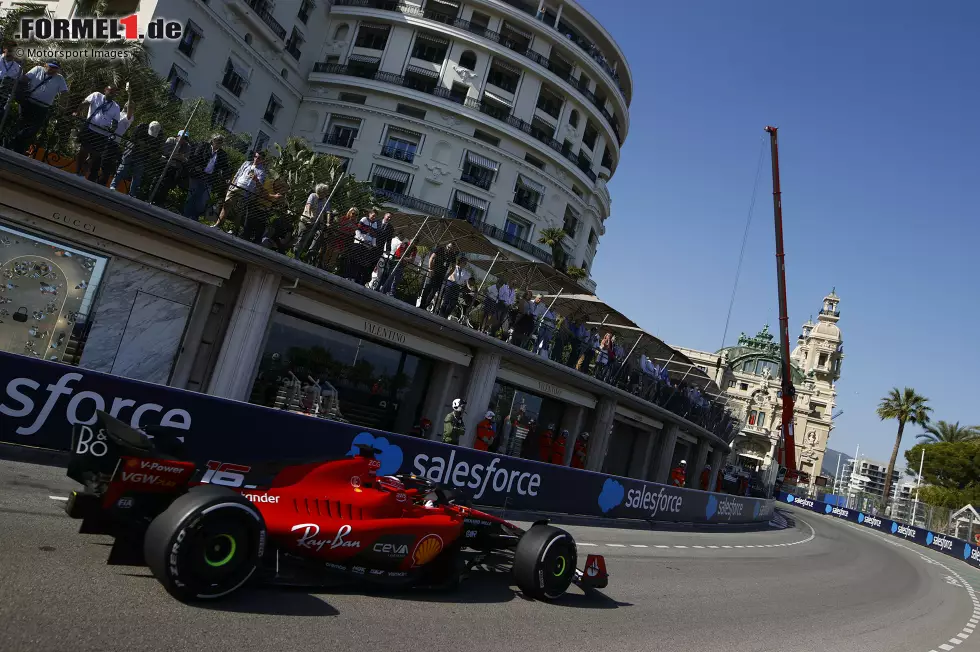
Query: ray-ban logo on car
point(128, 28)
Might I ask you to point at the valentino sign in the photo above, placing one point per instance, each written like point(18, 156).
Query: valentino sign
point(384, 332)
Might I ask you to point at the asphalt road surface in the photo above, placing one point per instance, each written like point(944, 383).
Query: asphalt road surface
point(819, 584)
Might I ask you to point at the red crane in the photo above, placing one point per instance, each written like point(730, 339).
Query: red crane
point(787, 457)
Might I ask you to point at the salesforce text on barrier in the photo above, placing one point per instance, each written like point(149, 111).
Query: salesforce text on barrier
point(476, 476)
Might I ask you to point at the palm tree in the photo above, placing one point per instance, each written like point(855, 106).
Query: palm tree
point(552, 237)
point(576, 273)
point(948, 433)
point(907, 407)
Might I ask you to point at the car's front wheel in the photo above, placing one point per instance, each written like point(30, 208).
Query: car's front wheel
point(544, 562)
point(206, 544)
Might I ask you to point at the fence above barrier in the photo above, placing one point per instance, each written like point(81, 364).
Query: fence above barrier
point(951, 546)
point(42, 402)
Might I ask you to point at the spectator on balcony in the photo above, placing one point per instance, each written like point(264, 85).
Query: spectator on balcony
point(36, 93)
point(271, 207)
point(441, 260)
point(488, 320)
point(386, 232)
point(243, 191)
point(362, 257)
point(102, 113)
point(404, 254)
point(207, 167)
point(522, 319)
point(506, 297)
point(576, 333)
point(143, 151)
point(10, 70)
point(617, 358)
point(113, 147)
point(587, 345)
point(339, 238)
point(602, 357)
point(316, 208)
point(544, 320)
point(454, 285)
point(176, 152)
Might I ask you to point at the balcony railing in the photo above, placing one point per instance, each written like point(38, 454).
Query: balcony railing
point(428, 208)
point(261, 8)
point(492, 110)
point(496, 37)
point(515, 241)
point(832, 313)
point(339, 140)
point(293, 51)
point(398, 153)
point(473, 180)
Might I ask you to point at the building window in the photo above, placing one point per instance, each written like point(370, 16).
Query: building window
point(468, 60)
point(387, 180)
point(823, 360)
point(752, 417)
point(517, 228)
point(533, 161)
point(550, 101)
point(762, 419)
point(577, 191)
point(527, 193)
point(353, 98)
point(410, 111)
point(236, 77)
point(294, 44)
point(467, 207)
point(731, 384)
point(372, 37)
point(573, 118)
point(176, 80)
point(340, 34)
point(606, 159)
point(305, 7)
point(223, 115)
point(261, 142)
point(401, 145)
point(590, 136)
point(487, 138)
point(341, 131)
point(272, 109)
point(503, 76)
point(478, 170)
point(593, 238)
point(743, 386)
point(191, 37)
point(570, 226)
point(430, 48)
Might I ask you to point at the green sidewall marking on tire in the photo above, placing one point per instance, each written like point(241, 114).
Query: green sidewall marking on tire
point(228, 557)
point(561, 566)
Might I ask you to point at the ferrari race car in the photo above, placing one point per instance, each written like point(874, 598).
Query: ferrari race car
point(206, 531)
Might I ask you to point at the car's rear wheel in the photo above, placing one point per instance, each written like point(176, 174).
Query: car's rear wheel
point(206, 544)
point(544, 562)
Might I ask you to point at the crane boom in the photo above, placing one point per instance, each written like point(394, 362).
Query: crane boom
point(788, 448)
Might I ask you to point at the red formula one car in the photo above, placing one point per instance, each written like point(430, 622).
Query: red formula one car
point(205, 532)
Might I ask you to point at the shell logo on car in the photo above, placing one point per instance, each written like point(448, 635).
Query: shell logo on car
point(427, 549)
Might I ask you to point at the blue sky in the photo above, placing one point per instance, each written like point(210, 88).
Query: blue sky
point(878, 109)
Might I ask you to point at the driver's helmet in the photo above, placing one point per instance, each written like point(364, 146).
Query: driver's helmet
point(489, 415)
point(391, 482)
point(459, 405)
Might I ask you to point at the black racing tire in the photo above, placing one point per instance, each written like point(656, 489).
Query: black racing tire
point(206, 545)
point(545, 562)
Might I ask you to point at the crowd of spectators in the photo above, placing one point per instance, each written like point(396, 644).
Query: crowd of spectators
point(196, 179)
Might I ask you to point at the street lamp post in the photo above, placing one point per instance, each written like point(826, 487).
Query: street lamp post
point(918, 482)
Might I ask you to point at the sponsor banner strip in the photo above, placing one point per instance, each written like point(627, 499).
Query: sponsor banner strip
point(951, 546)
point(50, 405)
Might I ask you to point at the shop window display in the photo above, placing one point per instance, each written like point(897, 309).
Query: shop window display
point(309, 368)
point(47, 294)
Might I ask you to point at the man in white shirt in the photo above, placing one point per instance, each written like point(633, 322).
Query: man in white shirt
point(103, 114)
point(43, 85)
point(110, 161)
point(244, 189)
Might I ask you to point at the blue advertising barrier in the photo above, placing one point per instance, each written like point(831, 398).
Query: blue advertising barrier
point(42, 401)
point(958, 548)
